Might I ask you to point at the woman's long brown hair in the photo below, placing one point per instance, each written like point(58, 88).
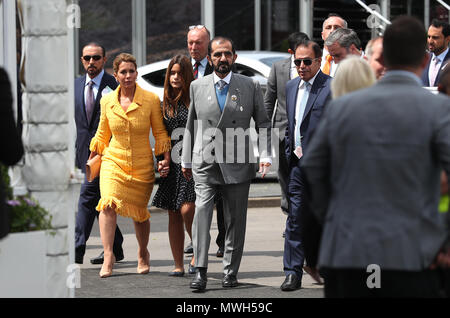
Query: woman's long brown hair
point(170, 101)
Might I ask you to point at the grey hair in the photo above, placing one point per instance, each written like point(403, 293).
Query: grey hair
point(344, 37)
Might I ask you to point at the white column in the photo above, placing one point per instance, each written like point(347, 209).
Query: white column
point(139, 37)
point(208, 15)
point(48, 110)
point(258, 25)
point(306, 17)
point(426, 13)
point(386, 8)
point(8, 56)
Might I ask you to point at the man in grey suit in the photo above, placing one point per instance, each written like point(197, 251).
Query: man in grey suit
point(218, 153)
point(275, 103)
point(373, 169)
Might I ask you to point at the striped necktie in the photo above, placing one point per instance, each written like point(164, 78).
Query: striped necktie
point(197, 64)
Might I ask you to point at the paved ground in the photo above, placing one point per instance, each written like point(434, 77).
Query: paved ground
point(260, 274)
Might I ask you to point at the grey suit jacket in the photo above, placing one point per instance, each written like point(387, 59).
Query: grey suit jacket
point(275, 97)
point(216, 154)
point(373, 169)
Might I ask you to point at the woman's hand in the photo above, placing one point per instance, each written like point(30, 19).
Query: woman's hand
point(92, 155)
point(164, 168)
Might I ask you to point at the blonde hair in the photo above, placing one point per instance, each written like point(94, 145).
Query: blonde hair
point(353, 73)
point(123, 57)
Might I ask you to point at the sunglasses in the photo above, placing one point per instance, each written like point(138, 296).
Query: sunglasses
point(87, 58)
point(307, 62)
point(199, 26)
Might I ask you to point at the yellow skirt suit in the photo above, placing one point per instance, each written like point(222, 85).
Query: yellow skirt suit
point(122, 138)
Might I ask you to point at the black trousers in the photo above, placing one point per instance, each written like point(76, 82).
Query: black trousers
point(352, 283)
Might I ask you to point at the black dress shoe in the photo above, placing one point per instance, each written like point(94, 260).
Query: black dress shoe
point(291, 283)
point(229, 281)
point(99, 259)
point(189, 249)
point(200, 280)
point(219, 252)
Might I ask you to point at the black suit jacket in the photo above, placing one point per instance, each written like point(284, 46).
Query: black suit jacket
point(10, 143)
point(86, 130)
point(425, 79)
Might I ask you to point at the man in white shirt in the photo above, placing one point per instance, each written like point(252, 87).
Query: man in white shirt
point(438, 40)
point(333, 22)
point(197, 41)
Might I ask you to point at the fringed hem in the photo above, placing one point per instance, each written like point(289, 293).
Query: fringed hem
point(162, 146)
point(97, 146)
point(124, 209)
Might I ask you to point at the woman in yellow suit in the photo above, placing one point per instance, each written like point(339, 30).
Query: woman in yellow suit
point(127, 173)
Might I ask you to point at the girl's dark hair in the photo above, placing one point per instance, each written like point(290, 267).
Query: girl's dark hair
point(171, 97)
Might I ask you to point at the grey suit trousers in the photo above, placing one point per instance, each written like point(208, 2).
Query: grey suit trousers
point(235, 199)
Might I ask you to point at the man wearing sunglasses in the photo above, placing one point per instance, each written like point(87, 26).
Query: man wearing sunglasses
point(306, 98)
point(89, 89)
point(275, 104)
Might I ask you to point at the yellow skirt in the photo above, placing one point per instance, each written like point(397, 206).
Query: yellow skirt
point(126, 192)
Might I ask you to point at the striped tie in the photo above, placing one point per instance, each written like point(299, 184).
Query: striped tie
point(197, 64)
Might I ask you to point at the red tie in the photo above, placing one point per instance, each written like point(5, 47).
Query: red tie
point(197, 64)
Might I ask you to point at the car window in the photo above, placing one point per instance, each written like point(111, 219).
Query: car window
point(247, 71)
point(270, 60)
point(156, 78)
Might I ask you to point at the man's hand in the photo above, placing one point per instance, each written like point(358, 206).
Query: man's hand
point(264, 168)
point(187, 173)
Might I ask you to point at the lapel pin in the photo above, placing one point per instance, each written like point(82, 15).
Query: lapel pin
point(234, 98)
point(242, 109)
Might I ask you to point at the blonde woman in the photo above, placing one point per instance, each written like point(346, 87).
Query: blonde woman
point(352, 74)
point(127, 174)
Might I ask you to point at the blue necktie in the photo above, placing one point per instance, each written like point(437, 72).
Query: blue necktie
point(301, 111)
point(221, 92)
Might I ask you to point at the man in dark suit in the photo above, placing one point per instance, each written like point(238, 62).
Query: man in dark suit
point(373, 168)
point(306, 97)
point(89, 89)
point(10, 144)
point(197, 41)
point(275, 103)
point(438, 40)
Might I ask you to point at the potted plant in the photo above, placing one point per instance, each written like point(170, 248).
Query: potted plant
point(23, 251)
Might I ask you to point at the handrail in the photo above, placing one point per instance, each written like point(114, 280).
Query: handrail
point(444, 4)
point(368, 9)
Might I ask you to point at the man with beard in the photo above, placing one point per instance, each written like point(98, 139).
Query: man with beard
point(220, 155)
point(89, 89)
point(437, 40)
